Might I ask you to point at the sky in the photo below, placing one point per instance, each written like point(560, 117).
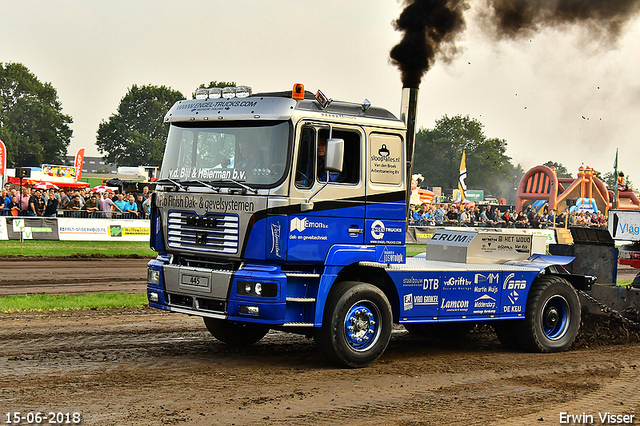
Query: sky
point(559, 95)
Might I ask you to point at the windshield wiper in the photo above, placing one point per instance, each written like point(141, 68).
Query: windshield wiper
point(246, 187)
point(171, 181)
point(199, 182)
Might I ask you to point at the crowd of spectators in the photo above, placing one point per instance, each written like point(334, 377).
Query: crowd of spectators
point(34, 202)
point(494, 217)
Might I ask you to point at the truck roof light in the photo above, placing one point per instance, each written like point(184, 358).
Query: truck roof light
point(243, 91)
point(215, 93)
point(202, 93)
point(298, 91)
point(229, 92)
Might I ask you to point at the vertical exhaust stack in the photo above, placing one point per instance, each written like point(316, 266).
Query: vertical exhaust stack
point(408, 112)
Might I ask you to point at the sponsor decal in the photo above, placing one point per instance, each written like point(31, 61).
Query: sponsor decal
point(485, 301)
point(490, 278)
point(455, 305)
point(217, 204)
point(408, 302)
point(486, 289)
point(453, 237)
point(275, 239)
point(457, 282)
point(301, 225)
point(378, 229)
point(386, 254)
point(207, 173)
point(510, 283)
point(513, 297)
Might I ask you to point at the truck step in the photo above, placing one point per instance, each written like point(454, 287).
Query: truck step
point(298, 324)
point(301, 299)
point(302, 275)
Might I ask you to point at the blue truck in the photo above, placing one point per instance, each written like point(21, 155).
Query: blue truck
point(287, 211)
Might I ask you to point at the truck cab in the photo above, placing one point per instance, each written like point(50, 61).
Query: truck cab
point(288, 211)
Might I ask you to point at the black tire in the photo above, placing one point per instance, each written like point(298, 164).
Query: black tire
point(552, 317)
point(636, 281)
point(356, 327)
point(235, 333)
point(507, 332)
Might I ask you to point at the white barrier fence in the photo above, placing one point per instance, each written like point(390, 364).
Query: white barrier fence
point(73, 229)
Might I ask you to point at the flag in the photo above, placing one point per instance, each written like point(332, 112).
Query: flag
point(462, 186)
point(3, 162)
point(615, 182)
point(78, 163)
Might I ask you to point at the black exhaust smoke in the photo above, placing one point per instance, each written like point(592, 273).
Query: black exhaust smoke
point(431, 27)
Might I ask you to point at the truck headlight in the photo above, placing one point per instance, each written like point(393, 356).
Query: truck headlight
point(153, 276)
point(254, 288)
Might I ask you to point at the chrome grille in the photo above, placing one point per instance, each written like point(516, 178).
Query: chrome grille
point(215, 233)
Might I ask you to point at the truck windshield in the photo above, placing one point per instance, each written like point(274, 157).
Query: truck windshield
point(251, 152)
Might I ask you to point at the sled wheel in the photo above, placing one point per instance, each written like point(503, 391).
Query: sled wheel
point(357, 325)
point(235, 333)
point(552, 317)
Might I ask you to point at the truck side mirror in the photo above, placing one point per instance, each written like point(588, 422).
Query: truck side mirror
point(334, 155)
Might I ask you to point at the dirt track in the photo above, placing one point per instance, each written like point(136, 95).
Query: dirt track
point(150, 368)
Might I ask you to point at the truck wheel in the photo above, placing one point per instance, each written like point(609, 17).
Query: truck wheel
point(235, 333)
point(356, 327)
point(636, 281)
point(552, 317)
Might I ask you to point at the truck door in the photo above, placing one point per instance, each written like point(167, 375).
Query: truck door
point(386, 206)
point(326, 208)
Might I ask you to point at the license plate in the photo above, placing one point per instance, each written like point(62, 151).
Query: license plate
point(195, 280)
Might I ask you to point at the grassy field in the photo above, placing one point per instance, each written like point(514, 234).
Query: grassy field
point(65, 302)
point(43, 248)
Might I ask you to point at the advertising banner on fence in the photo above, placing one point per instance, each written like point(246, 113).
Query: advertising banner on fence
point(3, 228)
point(32, 228)
point(77, 229)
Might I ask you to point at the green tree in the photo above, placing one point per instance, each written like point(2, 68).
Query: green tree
point(136, 135)
point(438, 153)
point(561, 171)
point(32, 125)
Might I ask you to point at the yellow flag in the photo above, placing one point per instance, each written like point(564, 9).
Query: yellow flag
point(462, 186)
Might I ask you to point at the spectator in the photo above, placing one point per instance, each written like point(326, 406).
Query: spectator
point(429, 217)
point(147, 207)
point(452, 216)
point(34, 203)
point(439, 215)
point(74, 205)
point(120, 203)
point(64, 200)
point(464, 218)
point(91, 206)
point(14, 206)
point(418, 216)
point(51, 209)
point(131, 208)
point(24, 201)
point(107, 205)
point(139, 202)
point(145, 192)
